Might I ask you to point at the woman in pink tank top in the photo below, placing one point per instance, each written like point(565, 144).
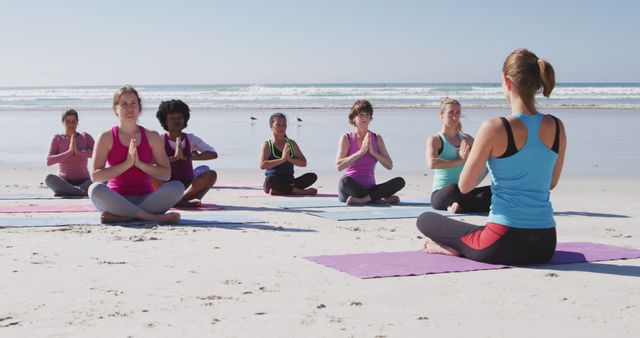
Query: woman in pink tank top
point(126, 157)
point(358, 153)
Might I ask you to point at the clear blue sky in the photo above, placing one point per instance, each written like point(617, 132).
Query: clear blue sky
point(183, 42)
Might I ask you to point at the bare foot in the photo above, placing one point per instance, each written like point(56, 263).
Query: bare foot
point(195, 203)
point(352, 200)
point(273, 192)
point(307, 192)
point(393, 199)
point(432, 247)
point(454, 208)
point(170, 218)
point(106, 217)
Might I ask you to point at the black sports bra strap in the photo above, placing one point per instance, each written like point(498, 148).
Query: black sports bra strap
point(511, 144)
point(556, 141)
point(441, 144)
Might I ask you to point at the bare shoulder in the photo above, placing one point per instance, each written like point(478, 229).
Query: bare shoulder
point(152, 135)
point(434, 140)
point(344, 138)
point(491, 125)
point(105, 136)
point(549, 121)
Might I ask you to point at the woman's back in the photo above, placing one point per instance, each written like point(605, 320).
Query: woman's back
point(521, 177)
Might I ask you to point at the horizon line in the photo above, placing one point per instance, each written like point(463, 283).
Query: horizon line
point(300, 84)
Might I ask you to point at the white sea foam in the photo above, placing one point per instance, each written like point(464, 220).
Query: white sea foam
point(316, 96)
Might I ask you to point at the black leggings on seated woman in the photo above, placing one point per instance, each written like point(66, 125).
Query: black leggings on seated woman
point(285, 185)
point(350, 187)
point(492, 243)
point(477, 200)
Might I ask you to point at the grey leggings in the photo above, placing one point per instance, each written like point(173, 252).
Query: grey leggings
point(157, 202)
point(63, 187)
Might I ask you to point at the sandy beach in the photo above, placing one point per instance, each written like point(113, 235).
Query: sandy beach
point(249, 264)
point(252, 280)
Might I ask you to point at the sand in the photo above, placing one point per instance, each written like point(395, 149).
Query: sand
point(251, 281)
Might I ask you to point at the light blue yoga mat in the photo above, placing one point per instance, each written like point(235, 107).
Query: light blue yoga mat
point(376, 213)
point(323, 202)
point(198, 219)
point(28, 196)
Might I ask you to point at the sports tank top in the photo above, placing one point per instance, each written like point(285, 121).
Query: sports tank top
point(446, 176)
point(133, 182)
point(181, 170)
point(284, 170)
point(362, 170)
point(520, 183)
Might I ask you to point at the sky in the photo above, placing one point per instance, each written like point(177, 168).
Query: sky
point(63, 43)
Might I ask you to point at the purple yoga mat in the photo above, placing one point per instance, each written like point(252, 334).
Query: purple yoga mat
point(35, 208)
point(412, 263)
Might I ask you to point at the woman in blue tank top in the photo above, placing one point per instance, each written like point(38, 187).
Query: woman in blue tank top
point(525, 154)
point(447, 151)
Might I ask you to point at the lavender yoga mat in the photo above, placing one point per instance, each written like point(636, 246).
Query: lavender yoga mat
point(413, 263)
point(37, 208)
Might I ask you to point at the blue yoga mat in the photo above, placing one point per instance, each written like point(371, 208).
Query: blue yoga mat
point(28, 196)
point(198, 219)
point(323, 202)
point(376, 213)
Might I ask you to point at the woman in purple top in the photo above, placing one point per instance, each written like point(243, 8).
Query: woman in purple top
point(174, 115)
point(70, 151)
point(358, 153)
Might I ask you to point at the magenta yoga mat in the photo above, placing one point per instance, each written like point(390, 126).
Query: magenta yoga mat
point(42, 208)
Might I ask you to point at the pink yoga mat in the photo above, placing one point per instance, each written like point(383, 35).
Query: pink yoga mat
point(413, 263)
point(35, 208)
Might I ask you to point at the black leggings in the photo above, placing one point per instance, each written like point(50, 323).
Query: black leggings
point(477, 200)
point(492, 243)
point(349, 187)
point(285, 186)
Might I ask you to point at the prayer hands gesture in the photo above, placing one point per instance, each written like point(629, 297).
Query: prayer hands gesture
point(179, 154)
point(366, 144)
point(73, 147)
point(286, 152)
point(465, 148)
point(132, 157)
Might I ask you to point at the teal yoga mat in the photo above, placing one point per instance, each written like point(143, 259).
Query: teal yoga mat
point(365, 213)
point(324, 202)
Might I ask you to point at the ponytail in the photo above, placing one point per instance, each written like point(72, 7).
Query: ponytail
point(548, 77)
point(529, 75)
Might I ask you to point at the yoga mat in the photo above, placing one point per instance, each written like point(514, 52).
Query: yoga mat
point(319, 202)
point(413, 263)
point(27, 196)
point(38, 208)
point(364, 213)
point(94, 219)
point(254, 194)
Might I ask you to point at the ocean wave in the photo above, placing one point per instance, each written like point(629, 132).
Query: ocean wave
point(307, 96)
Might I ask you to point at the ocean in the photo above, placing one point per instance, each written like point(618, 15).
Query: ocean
point(320, 96)
point(602, 120)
